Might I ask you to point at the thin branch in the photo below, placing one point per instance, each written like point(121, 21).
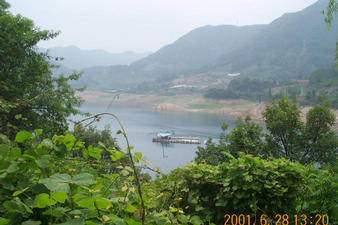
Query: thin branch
point(137, 179)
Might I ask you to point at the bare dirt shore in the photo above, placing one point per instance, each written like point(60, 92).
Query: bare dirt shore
point(188, 103)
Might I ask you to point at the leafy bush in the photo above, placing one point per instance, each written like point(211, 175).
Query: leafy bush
point(41, 183)
point(250, 186)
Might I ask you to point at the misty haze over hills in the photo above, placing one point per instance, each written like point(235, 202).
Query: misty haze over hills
point(76, 58)
point(292, 45)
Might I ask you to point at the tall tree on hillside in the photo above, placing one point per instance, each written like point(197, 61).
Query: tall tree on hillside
point(30, 96)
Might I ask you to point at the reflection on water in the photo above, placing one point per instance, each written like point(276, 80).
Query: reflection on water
point(142, 123)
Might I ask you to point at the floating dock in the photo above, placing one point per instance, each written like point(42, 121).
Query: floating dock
point(174, 139)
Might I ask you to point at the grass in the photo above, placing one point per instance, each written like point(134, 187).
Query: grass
point(173, 99)
point(216, 105)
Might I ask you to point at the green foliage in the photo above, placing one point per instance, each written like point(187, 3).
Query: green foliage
point(30, 96)
point(43, 183)
point(322, 83)
point(286, 136)
point(247, 185)
point(245, 137)
point(212, 154)
point(283, 122)
point(308, 142)
point(244, 88)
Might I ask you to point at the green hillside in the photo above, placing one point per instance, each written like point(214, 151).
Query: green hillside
point(199, 47)
point(295, 44)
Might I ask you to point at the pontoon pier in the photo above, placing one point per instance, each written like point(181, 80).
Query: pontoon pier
point(168, 137)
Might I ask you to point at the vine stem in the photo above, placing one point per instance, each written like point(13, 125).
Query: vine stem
point(137, 178)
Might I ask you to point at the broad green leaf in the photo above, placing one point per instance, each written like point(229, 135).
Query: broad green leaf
point(43, 162)
point(227, 154)
point(73, 222)
point(43, 200)
point(183, 219)
point(195, 220)
point(132, 222)
point(15, 152)
point(102, 145)
point(79, 145)
point(19, 192)
point(69, 141)
point(57, 182)
point(137, 156)
point(102, 203)
point(94, 152)
point(4, 149)
point(124, 172)
point(47, 143)
point(90, 222)
point(87, 203)
point(60, 196)
point(4, 221)
point(117, 220)
point(13, 167)
point(38, 132)
point(128, 168)
point(75, 212)
point(22, 136)
point(55, 212)
point(111, 176)
point(18, 116)
point(116, 155)
point(30, 222)
point(83, 179)
point(130, 208)
point(85, 153)
point(129, 149)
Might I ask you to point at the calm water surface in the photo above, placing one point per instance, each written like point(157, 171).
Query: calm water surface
point(142, 123)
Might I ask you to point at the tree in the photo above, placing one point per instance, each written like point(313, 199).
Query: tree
point(286, 137)
point(246, 137)
point(320, 142)
point(282, 120)
point(30, 96)
point(289, 137)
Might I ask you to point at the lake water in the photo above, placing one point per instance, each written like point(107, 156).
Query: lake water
point(142, 123)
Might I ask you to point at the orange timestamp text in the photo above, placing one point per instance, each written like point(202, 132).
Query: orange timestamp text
point(278, 219)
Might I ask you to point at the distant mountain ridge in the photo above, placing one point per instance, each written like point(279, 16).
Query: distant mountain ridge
point(292, 45)
point(78, 59)
point(199, 47)
point(194, 50)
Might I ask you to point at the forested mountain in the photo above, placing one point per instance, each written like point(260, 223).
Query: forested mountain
point(198, 48)
point(76, 58)
point(292, 45)
point(194, 50)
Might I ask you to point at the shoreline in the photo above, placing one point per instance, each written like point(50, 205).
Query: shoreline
point(189, 103)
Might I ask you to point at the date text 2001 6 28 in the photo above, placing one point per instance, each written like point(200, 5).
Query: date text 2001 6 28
point(278, 219)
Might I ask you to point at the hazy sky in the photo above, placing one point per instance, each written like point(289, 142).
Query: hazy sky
point(143, 25)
